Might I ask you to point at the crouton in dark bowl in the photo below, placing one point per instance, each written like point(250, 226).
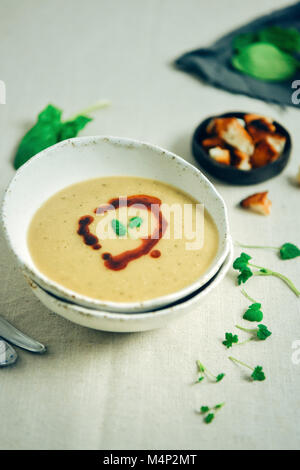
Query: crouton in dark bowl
point(241, 148)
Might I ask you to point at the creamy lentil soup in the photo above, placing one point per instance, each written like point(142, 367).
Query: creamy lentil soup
point(84, 238)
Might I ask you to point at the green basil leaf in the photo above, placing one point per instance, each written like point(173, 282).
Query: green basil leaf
point(135, 222)
point(265, 62)
point(42, 135)
point(48, 130)
point(287, 39)
point(70, 129)
point(118, 227)
point(243, 40)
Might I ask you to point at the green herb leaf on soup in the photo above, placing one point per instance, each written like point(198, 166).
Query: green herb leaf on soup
point(118, 228)
point(135, 222)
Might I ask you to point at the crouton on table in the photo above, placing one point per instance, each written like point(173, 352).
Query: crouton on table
point(258, 202)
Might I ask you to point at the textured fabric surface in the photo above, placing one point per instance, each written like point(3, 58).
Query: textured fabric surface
point(213, 64)
point(95, 390)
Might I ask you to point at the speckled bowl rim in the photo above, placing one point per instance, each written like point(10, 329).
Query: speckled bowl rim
point(165, 311)
point(154, 303)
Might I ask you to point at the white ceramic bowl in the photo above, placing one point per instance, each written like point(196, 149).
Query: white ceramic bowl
point(126, 322)
point(75, 160)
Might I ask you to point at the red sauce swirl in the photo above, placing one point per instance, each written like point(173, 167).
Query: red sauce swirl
point(84, 230)
point(155, 254)
point(147, 244)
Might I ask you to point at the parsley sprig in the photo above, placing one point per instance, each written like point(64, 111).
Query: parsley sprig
point(243, 265)
point(257, 372)
point(285, 251)
point(210, 412)
point(230, 339)
point(254, 312)
point(203, 371)
point(261, 333)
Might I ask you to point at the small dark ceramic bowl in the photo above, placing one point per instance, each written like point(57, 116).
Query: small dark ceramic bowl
point(230, 173)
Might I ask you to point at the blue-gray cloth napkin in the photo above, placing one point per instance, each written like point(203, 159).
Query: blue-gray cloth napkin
point(214, 63)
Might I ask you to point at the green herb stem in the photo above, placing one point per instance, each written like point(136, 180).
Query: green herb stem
point(247, 330)
point(257, 267)
point(240, 362)
point(269, 272)
point(210, 412)
point(219, 406)
point(248, 296)
point(287, 281)
point(203, 371)
point(258, 246)
point(90, 109)
point(210, 373)
point(244, 342)
point(200, 366)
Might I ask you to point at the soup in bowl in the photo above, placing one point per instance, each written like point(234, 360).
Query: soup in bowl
point(115, 224)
